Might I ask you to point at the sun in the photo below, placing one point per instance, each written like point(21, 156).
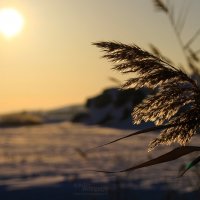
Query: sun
point(11, 22)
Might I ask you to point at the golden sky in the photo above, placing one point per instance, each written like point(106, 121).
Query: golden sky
point(52, 63)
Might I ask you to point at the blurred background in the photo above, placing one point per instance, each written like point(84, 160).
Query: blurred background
point(54, 86)
point(52, 63)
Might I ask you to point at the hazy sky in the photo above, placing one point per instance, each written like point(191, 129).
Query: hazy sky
point(52, 63)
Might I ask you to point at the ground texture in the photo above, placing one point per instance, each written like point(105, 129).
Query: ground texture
point(49, 162)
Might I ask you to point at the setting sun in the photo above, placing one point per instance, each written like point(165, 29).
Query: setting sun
point(11, 22)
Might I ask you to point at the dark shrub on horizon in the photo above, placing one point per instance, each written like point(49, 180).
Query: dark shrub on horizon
point(20, 119)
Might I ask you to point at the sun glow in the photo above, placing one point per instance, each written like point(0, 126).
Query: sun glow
point(11, 22)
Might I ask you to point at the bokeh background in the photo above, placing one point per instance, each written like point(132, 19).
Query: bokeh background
point(52, 63)
point(59, 98)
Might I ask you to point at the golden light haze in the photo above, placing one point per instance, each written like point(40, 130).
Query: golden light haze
point(11, 22)
point(52, 63)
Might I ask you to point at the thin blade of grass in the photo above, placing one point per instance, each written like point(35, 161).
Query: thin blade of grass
point(172, 155)
point(184, 17)
point(192, 39)
point(155, 128)
point(189, 166)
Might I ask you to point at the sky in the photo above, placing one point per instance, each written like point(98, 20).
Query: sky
point(52, 62)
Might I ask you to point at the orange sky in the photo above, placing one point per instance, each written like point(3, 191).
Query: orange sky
point(52, 63)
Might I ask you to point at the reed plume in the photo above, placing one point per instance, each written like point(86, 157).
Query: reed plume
point(176, 97)
point(174, 106)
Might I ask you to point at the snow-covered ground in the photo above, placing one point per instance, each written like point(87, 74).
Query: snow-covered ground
point(48, 162)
